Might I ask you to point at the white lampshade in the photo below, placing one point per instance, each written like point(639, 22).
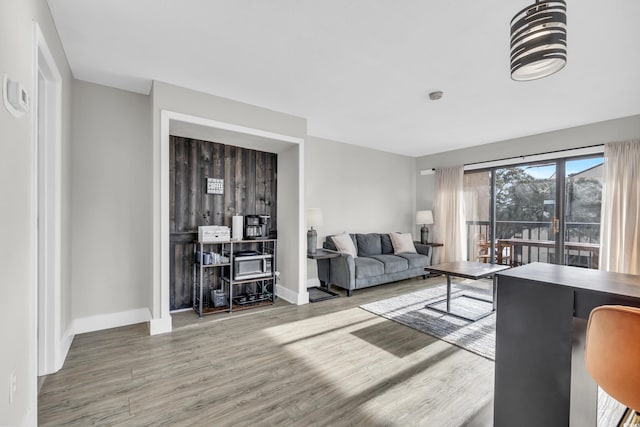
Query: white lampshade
point(314, 217)
point(424, 217)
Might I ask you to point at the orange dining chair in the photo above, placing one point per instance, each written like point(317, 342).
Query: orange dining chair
point(612, 355)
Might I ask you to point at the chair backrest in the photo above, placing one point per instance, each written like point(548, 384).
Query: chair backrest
point(612, 352)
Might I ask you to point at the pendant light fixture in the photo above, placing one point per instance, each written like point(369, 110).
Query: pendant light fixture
point(539, 40)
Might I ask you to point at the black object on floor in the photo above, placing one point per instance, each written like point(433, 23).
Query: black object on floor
point(317, 294)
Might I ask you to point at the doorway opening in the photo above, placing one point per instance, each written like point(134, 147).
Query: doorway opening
point(290, 152)
point(47, 209)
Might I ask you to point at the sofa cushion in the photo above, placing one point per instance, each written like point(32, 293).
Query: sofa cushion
point(344, 243)
point(368, 267)
point(392, 263)
point(369, 244)
point(416, 260)
point(402, 243)
point(387, 247)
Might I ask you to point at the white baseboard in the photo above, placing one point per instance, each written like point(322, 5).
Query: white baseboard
point(291, 296)
point(286, 294)
point(111, 320)
point(162, 325)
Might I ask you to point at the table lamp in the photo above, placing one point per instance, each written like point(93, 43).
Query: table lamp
point(425, 218)
point(314, 219)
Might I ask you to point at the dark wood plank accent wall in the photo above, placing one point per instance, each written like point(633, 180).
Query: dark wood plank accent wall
point(250, 187)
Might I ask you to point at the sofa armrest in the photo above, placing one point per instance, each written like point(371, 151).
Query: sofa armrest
point(424, 250)
point(340, 271)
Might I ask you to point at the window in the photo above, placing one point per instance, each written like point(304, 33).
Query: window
point(532, 212)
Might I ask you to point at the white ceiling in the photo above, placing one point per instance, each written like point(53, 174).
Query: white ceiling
point(360, 70)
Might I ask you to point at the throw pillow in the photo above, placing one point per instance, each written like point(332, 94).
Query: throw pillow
point(344, 244)
point(387, 247)
point(402, 243)
point(369, 244)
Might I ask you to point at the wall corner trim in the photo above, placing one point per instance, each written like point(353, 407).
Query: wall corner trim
point(291, 296)
point(162, 325)
point(65, 345)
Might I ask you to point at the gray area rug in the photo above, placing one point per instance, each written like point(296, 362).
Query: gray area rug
point(478, 337)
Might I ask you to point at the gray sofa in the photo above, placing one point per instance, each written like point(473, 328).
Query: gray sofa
point(374, 265)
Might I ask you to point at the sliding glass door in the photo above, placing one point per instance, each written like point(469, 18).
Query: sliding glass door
point(543, 212)
point(583, 201)
point(525, 215)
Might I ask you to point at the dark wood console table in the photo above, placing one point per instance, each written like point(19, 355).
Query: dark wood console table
point(317, 294)
point(433, 245)
point(542, 312)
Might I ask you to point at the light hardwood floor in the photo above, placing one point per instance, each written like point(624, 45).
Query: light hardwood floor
point(328, 363)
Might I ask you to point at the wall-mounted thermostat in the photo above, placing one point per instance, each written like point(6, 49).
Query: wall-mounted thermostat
point(215, 186)
point(15, 97)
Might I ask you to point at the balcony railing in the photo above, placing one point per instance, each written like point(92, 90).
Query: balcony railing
point(531, 241)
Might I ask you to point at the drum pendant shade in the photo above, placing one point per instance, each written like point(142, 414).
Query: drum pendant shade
point(539, 40)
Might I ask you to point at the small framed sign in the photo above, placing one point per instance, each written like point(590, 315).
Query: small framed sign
point(215, 186)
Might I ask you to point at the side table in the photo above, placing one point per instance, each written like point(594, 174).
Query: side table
point(318, 293)
point(430, 274)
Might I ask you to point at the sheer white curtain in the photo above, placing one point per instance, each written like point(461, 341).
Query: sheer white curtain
point(620, 219)
point(448, 214)
point(477, 199)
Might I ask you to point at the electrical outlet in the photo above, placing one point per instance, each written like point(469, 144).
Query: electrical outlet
point(12, 386)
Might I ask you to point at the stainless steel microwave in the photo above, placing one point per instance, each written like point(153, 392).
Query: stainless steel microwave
point(252, 265)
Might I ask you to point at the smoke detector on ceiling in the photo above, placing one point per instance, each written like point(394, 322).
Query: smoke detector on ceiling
point(434, 96)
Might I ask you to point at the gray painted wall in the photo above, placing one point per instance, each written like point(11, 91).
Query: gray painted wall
point(358, 190)
point(582, 136)
point(111, 200)
point(16, 182)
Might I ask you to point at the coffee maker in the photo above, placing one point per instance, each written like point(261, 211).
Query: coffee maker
point(256, 226)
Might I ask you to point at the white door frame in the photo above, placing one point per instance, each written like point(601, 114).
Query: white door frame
point(47, 137)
